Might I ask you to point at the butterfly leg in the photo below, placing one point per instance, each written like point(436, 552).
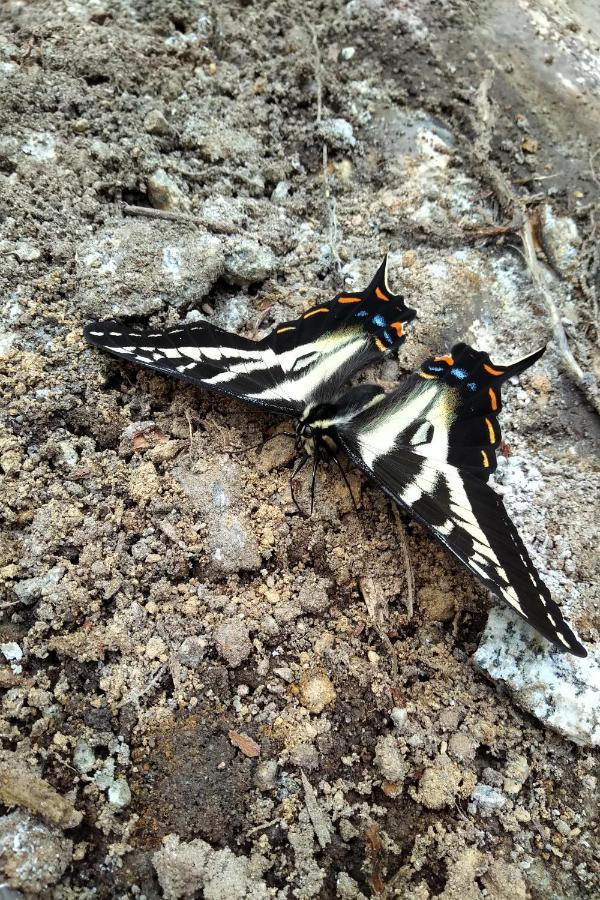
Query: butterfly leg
point(302, 460)
point(347, 483)
point(262, 443)
point(313, 483)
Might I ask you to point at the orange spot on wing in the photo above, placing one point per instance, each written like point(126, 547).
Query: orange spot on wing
point(426, 375)
point(349, 299)
point(486, 462)
point(381, 345)
point(398, 328)
point(493, 371)
point(491, 431)
point(379, 293)
point(448, 359)
point(287, 328)
point(313, 312)
point(493, 399)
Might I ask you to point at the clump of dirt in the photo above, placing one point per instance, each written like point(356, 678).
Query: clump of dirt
point(199, 682)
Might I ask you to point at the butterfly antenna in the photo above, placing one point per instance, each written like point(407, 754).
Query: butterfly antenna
point(262, 443)
point(348, 485)
point(298, 467)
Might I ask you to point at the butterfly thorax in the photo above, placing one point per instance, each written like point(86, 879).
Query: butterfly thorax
point(317, 427)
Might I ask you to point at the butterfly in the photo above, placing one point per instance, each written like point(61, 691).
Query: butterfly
point(429, 444)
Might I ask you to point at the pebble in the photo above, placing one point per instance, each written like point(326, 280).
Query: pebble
point(440, 784)
point(389, 761)
point(233, 642)
point(191, 652)
point(31, 589)
point(488, 799)
point(163, 191)
point(80, 126)
point(338, 133)
point(119, 793)
point(11, 651)
point(247, 262)
point(399, 717)
point(347, 53)
point(84, 758)
point(461, 746)
point(265, 777)
point(316, 691)
point(560, 238)
point(155, 123)
point(33, 855)
point(281, 192)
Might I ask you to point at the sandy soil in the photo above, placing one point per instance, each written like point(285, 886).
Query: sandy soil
point(199, 697)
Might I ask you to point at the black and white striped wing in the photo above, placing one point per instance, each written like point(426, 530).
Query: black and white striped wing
point(300, 362)
point(431, 445)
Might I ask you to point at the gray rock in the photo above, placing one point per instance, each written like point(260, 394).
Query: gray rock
point(133, 269)
point(164, 192)
point(119, 794)
point(155, 123)
point(388, 759)
point(31, 589)
point(489, 799)
point(560, 238)
point(33, 855)
point(84, 758)
point(191, 652)
point(265, 777)
point(215, 141)
point(247, 262)
point(338, 133)
point(40, 145)
point(233, 642)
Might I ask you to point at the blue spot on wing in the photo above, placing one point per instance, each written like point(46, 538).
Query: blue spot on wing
point(436, 368)
point(472, 386)
point(387, 337)
point(458, 373)
point(362, 312)
point(379, 320)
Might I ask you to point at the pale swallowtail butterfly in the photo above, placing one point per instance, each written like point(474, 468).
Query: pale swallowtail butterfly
point(429, 444)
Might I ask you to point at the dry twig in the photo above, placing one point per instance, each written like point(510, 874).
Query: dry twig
point(410, 578)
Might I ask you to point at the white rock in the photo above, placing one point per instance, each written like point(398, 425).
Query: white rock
point(338, 133)
point(559, 689)
point(560, 238)
point(119, 794)
point(164, 192)
point(40, 145)
point(347, 53)
point(489, 799)
point(11, 651)
point(247, 262)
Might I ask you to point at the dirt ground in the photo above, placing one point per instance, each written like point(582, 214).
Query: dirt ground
point(199, 692)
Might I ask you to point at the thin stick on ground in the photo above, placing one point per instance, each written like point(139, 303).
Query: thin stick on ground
point(148, 212)
point(330, 204)
point(410, 578)
point(483, 123)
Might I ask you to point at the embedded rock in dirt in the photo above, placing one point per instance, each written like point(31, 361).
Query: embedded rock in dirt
point(559, 689)
point(247, 262)
point(33, 856)
point(233, 642)
point(185, 869)
point(135, 268)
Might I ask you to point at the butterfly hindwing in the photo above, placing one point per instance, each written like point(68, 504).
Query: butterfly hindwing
point(431, 446)
point(300, 362)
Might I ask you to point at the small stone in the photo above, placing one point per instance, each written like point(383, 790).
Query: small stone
point(84, 758)
point(163, 191)
point(26, 252)
point(156, 648)
point(281, 192)
point(530, 144)
point(461, 746)
point(560, 238)
point(247, 262)
point(192, 650)
point(316, 691)
point(119, 793)
point(155, 123)
point(338, 133)
point(347, 53)
point(33, 856)
point(11, 651)
point(399, 717)
point(80, 126)
point(233, 642)
point(265, 777)
point(488, 799)
point(440, 784)
point(388, 759)
point(516, 773)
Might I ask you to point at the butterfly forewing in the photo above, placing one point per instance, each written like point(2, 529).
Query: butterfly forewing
point(430, 445)
point(303, 361)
